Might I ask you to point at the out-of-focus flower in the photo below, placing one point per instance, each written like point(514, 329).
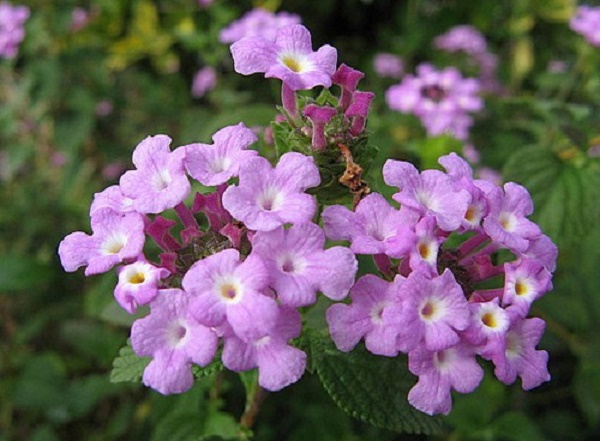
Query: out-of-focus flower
point(388, 65)
point(586, 22)
point(204, 81)
point(80, 17)
point(12, 19)
point(257, 23)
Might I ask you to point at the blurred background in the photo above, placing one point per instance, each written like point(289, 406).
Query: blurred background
point(91, 79)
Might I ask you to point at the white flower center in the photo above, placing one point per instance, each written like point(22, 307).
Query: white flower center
point(113, 244)
point(176, 333)
point(161, 180)
point(270, 199)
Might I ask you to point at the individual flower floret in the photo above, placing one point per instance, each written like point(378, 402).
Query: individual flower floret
point(319, 116)
point(430, 192)
point(520, 357)
point(290, 58)
point(268, 197)
point(279, 364)
point(507, 221)
point(298, 265)
point(174, 339)
point(138, 284)
point(113, 198)
point(115, 238)
point(369, 228)
point(488, 327)
point(433, 311)
point(12, 19)
point(347, 78)
point(216, 164)
point(257, 23)
point(160, 182)
point(227, 289)
point(358, 111)
point(544, 251)
point(586, 22)
point(439, 372)
point(420, 243)
point(204, 81)
point(366, 317)
point(525, 281)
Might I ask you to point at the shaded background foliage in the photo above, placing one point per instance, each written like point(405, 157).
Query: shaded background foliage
point(73, 105)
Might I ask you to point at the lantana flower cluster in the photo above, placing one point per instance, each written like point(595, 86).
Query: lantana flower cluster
point(442, 99)
point(443, 304)
point(586, 22)
point(228, 270)
point(12, 32)
point(459, 264)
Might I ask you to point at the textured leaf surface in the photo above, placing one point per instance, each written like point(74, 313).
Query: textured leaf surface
point(372, 388)
point(565, 192)
point(128, 366)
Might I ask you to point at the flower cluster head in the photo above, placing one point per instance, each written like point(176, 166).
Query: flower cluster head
point(586, 22)
point(234, 266)
point(12, 19)
point(441, 99)
point(470, 41)
point(443, 305)
point(258, 22)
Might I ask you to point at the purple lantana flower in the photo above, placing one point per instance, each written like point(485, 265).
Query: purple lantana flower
point(12, 19)
point(298, 265)
point(462, 38)
point(586, 22)
point(441, 99)
point(526, 280)
point(520, 357)
point(430, 192)
point(138, 284)
point(366, 317)
point(227, 289)
point(433, 311)
point(116, 237)
point(112, 197)
point(215, 164)
point(279, 364)
point(370, 227)
point(174, 339)
point(258, 22)
point(439, 372)
point(507, 221)
point(204, 81)
point(159, 182)
point(290, 58)
point(268, 197)
point(388, 65)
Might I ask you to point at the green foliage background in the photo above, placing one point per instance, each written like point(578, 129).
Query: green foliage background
point(59, 333)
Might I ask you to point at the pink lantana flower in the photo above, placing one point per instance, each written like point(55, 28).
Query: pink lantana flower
point(290, 58)
point(174, 339)
point(268, 197)
point(215, 164)
point(299, 266)
point(138, 284)
point(159, 182)
point(116, 237)
point(226, 289)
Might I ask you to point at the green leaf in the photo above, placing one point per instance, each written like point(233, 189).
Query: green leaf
point(215, 366)
point(128, 366)
point(565, 193)
point(19, 273)
point(185, 426)
point(514, 426)
point(371, 388)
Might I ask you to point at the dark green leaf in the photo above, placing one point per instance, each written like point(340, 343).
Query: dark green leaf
point(372, 388)
point(185, 426)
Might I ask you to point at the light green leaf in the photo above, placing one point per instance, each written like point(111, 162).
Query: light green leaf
point(128, 366)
